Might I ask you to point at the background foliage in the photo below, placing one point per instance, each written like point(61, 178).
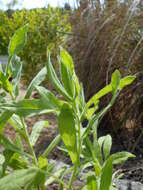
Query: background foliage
point(47, 29)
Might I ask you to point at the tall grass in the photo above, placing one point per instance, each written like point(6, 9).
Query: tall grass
point(110, 36)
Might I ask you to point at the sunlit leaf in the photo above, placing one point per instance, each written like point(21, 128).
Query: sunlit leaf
point(54, 79)
point(18, 41)
point(67, 71)
point(106, 176)
point(92, 183)
point(67, 129)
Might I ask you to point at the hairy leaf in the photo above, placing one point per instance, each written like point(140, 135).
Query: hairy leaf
point(36, 130)
point(68, 131)
point(40, 77)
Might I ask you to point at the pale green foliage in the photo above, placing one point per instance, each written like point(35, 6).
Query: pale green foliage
point(18, 41)
point(33, 172)
point(37, 128)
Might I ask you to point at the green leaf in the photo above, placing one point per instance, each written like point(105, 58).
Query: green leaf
point(6, 85)
point(16, 122)
point(92, 183)
point(115, 81)
point(107, 146)
point(90, 148)
point(101, 141)
point(54, 79)
point(52, 145)
point(121, 157)
point(36, 130)
point(8, 145)
point(2, 159)
point(94, 119)
point(4, 117)
point(7, 155)
point(77, 85)
point(107, 89)
point(67, 129)
point(126, 81)
point(18, 142)
point(56, 175)
point(81, 102)
point(27, 107)
point(17, 162)
point(91, 111)
point(106, 176)
point(18, 41)
point(99, 95)
point(21, 178)
point(67, 71)
point(40, 77)
point(16, 68)
point(97, 151)
point(48, 98)
point(42, 162)
point(94, 154)
point(67, 61)
point(2, 96)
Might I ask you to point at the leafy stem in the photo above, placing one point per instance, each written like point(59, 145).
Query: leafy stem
point(72, 178)
point(28, 141)
point(79, 138)
point(26, 135)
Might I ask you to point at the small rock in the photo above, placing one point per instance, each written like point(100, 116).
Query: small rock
point(129, 185)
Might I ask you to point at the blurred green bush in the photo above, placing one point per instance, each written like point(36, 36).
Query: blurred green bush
point(47, 29)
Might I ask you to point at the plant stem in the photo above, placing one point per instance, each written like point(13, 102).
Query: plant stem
point(79, 138)
point(28, 142)
point(72, 178)
point(77, 115)
point(27, 137)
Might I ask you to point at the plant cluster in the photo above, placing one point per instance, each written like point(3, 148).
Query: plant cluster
point(90, 156)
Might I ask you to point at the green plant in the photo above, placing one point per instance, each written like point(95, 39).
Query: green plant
point(21, 169)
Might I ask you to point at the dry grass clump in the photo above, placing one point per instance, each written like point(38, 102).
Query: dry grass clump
point(109, 35)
